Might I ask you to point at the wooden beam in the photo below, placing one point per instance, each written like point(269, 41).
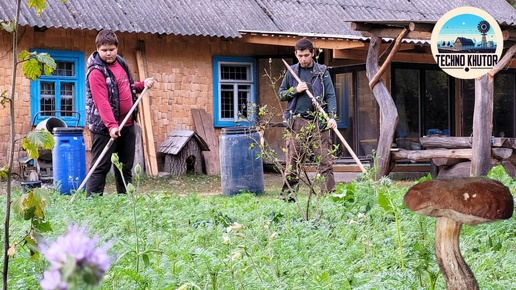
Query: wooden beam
point(350, 54)
point(504, 62)
point(452, 142)
point(419, 155)
point(420, 31)
point(145, 119)
point(509, 34)
point(406, 52)
point(389, 58)
point(282, 40)
point(441, 155)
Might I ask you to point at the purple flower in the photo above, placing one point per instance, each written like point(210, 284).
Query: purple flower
point(52, 280)
point(75, 257)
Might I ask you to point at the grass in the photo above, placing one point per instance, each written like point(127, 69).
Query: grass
point(187, 237)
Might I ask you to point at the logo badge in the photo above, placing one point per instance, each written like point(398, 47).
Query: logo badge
point(467, 42)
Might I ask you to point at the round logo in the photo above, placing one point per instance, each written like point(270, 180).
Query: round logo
point(467, 42)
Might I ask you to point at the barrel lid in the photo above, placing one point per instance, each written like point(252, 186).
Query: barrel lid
point(67, 130)
point(238, 130)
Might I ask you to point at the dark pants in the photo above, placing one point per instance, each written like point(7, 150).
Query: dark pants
point(124, 146)
point(320, 145)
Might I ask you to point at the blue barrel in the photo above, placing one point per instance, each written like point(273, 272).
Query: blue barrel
point(68, 159)
point(241, 168)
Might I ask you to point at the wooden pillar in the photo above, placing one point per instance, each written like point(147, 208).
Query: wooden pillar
point(388, 112)
point(482, 126)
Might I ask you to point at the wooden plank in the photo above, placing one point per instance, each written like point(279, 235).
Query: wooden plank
point(445, 142)
point(138, 154)
point(204, 128)
point(144, 117)
point(419, 155)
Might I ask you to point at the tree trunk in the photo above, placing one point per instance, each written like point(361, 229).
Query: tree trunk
point(388, 111)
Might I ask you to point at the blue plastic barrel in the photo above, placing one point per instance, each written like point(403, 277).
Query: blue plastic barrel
point(68, 159)
point(241, 168)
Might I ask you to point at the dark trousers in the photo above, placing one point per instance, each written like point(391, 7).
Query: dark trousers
point(321, 145)
point(124, 146)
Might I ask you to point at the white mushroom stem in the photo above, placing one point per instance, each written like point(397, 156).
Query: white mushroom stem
point(456, 272)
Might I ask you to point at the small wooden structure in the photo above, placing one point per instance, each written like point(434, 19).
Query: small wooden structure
point(183, 152)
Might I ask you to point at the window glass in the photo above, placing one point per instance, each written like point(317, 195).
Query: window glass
point(64, 68)
point(368, 116)
point(233, 90)
point(422, 98)
point(343, 93)
point(67, 98)
point(503, 105)
point(406, 98)
point(437, 103)
point(47, 98)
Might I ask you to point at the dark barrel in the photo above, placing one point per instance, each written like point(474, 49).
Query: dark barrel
point(241, 168)
point(68, 159)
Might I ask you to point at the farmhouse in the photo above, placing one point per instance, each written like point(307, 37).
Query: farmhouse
point(222, 56)
point(463, 42)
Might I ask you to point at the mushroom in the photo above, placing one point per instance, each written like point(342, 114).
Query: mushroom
point(470, 200)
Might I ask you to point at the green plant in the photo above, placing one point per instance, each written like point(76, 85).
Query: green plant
point(31, 207)
point(139, 249)
point(499, 173)
point(352, 246)
point(33, 64)
point(385, 201)
point(308, 153)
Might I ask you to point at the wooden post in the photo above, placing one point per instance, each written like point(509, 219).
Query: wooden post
point(482, 126)
point(388, 110)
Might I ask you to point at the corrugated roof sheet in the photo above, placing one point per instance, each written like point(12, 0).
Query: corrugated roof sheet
point(226, 18)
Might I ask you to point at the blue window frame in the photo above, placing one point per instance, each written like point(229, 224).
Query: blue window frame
point(61, 94)
point(234, 88)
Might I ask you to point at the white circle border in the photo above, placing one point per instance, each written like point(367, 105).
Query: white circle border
point(471, 74)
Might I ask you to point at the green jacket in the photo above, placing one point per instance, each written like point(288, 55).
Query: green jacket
point(320, 85)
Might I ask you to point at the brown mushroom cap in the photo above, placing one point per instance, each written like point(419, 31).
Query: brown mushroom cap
point(470, 200)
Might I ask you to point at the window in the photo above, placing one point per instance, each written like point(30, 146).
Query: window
point(62, 93)
point(425, 103)
point(234, 90)
point(357, 110)
point(504, 105)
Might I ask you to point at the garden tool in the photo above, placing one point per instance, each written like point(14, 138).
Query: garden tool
point(320, 109)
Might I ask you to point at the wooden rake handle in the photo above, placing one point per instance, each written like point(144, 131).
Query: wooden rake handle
point(321, 110)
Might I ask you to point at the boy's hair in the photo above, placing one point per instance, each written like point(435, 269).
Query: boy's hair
point(303, 44)
point(106, 37)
